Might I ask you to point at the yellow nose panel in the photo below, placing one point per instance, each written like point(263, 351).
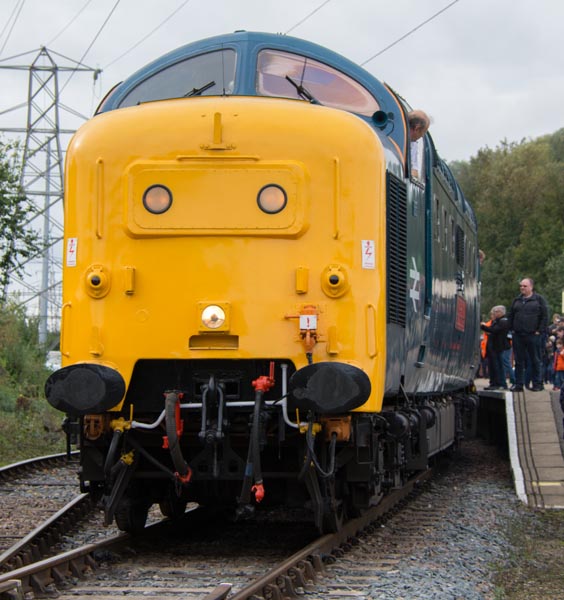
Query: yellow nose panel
point(216, 197)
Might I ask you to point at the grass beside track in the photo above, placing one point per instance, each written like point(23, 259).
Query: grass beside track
point(30, 431)
point(534, 569)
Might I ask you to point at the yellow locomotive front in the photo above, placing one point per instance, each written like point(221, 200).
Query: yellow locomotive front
point(218, 250)
point(225, 229)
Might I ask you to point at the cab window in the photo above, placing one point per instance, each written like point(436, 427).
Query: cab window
point(280, 74)
point(210, 74)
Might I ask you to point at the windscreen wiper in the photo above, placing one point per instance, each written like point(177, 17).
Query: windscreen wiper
point(302, 91)
point(199, 91)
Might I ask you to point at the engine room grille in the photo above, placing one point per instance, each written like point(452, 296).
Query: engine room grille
point(396, 249)
point(459, 246)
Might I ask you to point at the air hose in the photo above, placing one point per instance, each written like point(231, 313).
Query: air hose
point(112, 452)
point(312, 458)
point(172, 401)
point(253, 469)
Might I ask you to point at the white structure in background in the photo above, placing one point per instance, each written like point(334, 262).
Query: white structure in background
point(42, 181)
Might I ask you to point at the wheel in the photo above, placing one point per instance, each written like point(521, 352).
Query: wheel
point(131, 516)
point(173, 508)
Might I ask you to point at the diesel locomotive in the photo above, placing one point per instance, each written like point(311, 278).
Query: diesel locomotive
point(262, 305)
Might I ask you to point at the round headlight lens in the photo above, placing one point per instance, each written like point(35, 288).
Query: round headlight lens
point(272, 199)
point(213, 316)
point(157, 199)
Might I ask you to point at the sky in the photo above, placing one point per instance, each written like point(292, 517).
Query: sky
point(485, 70)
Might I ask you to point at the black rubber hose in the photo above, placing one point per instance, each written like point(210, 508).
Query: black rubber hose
point(257, 470)
point(137, 446)
point(178, 461)
point(253, 467)
point(111, 456)
point(332, 447)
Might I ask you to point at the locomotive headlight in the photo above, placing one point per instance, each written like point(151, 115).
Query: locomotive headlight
point(213, 317)
point(272, 199)
point(157, 199)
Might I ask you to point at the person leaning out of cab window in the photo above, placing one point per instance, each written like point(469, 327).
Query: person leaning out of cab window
point(419, 123)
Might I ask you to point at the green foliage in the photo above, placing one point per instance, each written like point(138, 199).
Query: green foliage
point(28, 425)
point(29, 432)
point(517, 191)
point(18, 241)
point(22, 371)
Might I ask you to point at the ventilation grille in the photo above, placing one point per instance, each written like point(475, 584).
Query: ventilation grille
point(460, 246)
point(396, 249)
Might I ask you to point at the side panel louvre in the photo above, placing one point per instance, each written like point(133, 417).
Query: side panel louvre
point(396, 249)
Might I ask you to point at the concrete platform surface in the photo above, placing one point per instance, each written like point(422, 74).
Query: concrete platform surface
point(535, 432)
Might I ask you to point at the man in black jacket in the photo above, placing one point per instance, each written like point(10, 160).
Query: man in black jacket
point(528, 319)
point(497, 343)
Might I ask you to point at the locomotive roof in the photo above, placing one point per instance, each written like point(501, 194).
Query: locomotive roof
point(248, 45)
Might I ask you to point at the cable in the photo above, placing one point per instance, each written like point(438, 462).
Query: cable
point(9, 19)
point(307, 17)
point(408, 33)
point(148, 35)
point(13, 24)
point(69, 23)
point(91, 43)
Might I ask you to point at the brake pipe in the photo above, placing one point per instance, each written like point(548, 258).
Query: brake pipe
point(237, 404)
point(174, 431)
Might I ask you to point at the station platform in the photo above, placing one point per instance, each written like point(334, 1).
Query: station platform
point(535, 443)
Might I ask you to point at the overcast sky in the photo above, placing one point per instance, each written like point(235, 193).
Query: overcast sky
point(485, 70)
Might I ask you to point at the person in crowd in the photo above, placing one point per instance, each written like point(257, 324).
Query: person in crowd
point(496, 345)
point(419, 123)
point(507, 355)
point(549, 359)
point(561, 398)
point(559, 365)
point(528, 320)
point(556, 322)
point(484, 371)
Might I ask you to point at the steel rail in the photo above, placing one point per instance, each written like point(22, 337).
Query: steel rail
point(39, 576)
point(8, 471)
point(302, 569)
point(49, 571)
point(37, 542)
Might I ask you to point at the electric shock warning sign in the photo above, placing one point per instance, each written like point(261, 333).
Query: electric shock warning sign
point(368, 254)
point(71, 252)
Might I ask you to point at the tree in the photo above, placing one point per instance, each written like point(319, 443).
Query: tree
point(18, 242)
point(517, 191)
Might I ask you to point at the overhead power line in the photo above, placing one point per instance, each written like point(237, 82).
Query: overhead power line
point(19, 9)
point(148, 35)
point(69, 23)
point(307, 17)
point(408, 33)
point(93, 41)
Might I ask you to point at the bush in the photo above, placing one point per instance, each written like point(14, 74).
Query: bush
point(28, 425)
point(30, 432)
point(22, 360)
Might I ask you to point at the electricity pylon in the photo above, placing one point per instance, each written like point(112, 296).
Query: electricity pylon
point(42, 179)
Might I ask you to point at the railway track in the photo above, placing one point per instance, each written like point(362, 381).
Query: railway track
point(203, 556)
point(40, 504)
point(197, 551)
